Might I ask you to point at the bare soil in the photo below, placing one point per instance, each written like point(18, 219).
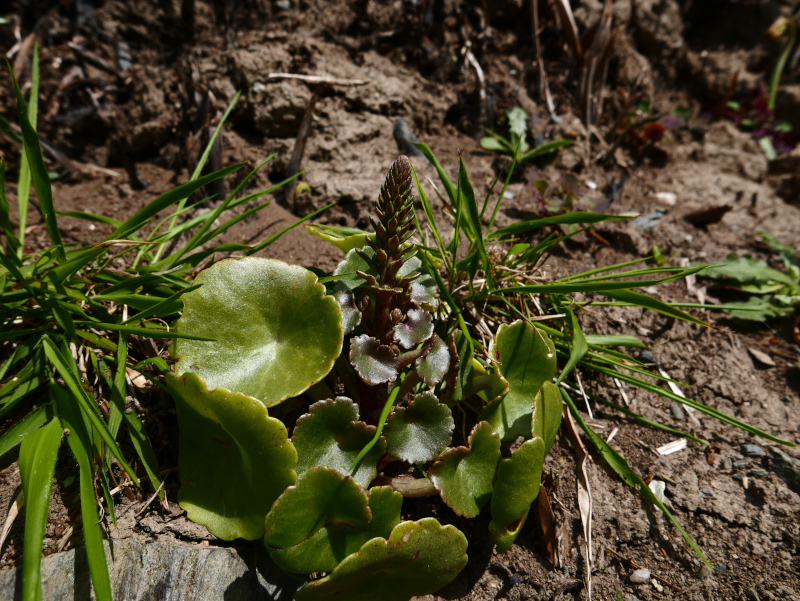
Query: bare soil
point(131, 130)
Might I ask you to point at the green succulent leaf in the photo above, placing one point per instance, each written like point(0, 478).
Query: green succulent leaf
point(746, 270)
point(527, 359)
point(547, 409)
point(464, 475)
point(346, 271)
point(274, 332)
point(419, 432)
point(324, 518)
point(417, 559)
point(374, 362)
point(424, 296)
point(517, 486)
point(351, 316)
point(416, 329)
point(234, 459)
point(433, 365)
point(330, 435)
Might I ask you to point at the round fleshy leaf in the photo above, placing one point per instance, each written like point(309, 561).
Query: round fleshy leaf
point(330, 435)
point(421, 431)
point(234, 459)
point(547, 408)
point(351, 316)
point(433, 365)
point(423, 297)
point(517, 486)
point(346, 270)
point(464, 476)
point(527, 359)
point(324, 518)
point(274, 331)
point(418, 559)
point(416, 329)
point(375, 363)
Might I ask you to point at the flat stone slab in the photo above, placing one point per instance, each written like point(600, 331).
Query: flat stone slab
point(161, 572)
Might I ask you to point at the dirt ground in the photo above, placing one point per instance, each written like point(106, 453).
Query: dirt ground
point(130, 91)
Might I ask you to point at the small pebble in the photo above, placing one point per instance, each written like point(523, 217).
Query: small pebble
point(787, 398)
point(758, 472)
point(284, 4)
point(689, 238)
point(727, 464)
point(640, 576)
point(707, 492)
point(752, 450)
point(738, 477)
point(677, 410)
point(647, 357)
point(721, 568)
point(741, 463)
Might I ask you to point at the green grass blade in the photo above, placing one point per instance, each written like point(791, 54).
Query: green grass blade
point(197, 237)
point(428, 210)
point(6, 128)
point(565, 218)
point(471, 207)
point(41, 179)
point(163, 308)
point(200, 164)
point(668, 394)
point(502, 194)
point(33, 421)
point(24, 181)
point(37, 465)
point(277, 235)
point(12, 241)
point(146, 332)
point(579, 347)
point(615, 340)
point(169, 198)
point(648, 302)
point(88, 407)
point(545, 148)
point(618, 463)
point(449, 187)
point(81, 444)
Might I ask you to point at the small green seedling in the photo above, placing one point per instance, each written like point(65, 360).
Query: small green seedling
point(516, 145)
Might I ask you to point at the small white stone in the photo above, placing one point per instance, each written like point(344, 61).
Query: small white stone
point(669, 198)
point(640, 576)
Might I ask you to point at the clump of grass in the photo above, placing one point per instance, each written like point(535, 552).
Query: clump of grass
point(68, 316)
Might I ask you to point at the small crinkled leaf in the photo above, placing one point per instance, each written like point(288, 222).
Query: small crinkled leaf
point(351, 316)
point(416, 329)
point(234, 459)
point(517, 486)
point(318, 522)
point(352, 263)
point(463, 476)
point(417, 559)
point(517, 122)
point(423, 296)
point(419, 432)
point(526, 359)
point(274, 331)
point(375, 363)
point(547, 409)
point(432, 366)
point(330, 435)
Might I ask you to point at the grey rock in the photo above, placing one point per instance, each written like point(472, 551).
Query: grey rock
point(649, 221)
point(787, 468)
point(640, 576)
point(727, 463)
point(677, 410)
point(167, 572)
point(752, 450)
point(758, 472)
point(738, 477)
point(708, 492)
point(647, 357)
point(741, 463)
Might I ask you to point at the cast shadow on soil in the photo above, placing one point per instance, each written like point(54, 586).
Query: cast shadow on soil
point(263, 580)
